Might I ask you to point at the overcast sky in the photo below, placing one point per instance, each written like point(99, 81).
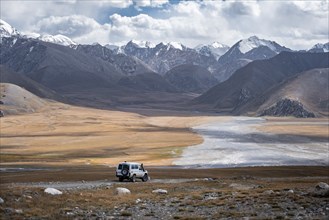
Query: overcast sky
point(295, 24)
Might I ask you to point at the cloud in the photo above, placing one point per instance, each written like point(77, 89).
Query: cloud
point(150, 3)
point(296, 24)
point(73, 26)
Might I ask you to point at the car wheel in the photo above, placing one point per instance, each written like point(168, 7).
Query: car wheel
point(145, 178)
point(120, 179)
point(133, 178)
point(124, 172)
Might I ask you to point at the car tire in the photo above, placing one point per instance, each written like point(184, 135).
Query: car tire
point(145, 178)
point(120, 179)
point(125, 172)
point(133, 178)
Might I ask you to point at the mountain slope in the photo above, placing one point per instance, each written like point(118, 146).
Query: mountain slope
point(148, 81)
point(126, 64)
point(16, 100)
point(9, 76)
point(190, 78)
point(320, 48)
point(310, 89)
point(164, 57)
point(253, 80)
point(54, 65)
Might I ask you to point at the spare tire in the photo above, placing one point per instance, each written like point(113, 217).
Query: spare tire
point(124, 172)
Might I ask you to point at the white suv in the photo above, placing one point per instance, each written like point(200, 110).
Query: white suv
point(131, 171)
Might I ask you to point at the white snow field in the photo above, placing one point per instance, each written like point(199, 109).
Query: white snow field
point(237, 143)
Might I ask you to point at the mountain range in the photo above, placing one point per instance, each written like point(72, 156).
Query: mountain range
point(247, 78)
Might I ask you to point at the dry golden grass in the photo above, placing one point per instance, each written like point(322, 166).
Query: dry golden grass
point(311, 127)
point(66, 134)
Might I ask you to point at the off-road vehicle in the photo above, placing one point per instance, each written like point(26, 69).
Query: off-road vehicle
point(131, 171)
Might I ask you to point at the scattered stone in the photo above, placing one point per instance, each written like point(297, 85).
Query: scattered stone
point(1, 200)
point(211, 196)
point(160, 191)
point(290, 191)
point(138, 201)
point(53, 191)
point(243, 187)
point(288, 107)
point(321, 190)
point(122, 191)
point(268, 192)
point(19, 211)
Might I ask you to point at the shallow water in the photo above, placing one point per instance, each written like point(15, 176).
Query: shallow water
point(237, 144)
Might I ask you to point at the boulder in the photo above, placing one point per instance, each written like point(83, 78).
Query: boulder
point(122, 191)
point(1, 200)
point(53, 191)
point(321, 189)
point(160, 191)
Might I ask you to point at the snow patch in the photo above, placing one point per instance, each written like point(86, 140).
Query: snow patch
point(57, 39)
point(6, 30)
point(143, 44)
point(176, 45)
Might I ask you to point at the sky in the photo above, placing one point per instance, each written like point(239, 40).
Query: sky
point(294, 24)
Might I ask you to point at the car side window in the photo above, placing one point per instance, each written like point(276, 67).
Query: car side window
point(120, 167)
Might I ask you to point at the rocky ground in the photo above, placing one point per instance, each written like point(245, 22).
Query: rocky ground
point(207, 198)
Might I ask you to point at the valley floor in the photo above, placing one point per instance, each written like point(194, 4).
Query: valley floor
point(75, 149)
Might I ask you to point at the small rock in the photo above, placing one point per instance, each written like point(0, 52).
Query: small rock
point(138, 201)
point(122, 191)
point(268, 192)
point(242, 187)
point(290, 191)
point(53, 191)
point(1, 200)
point(18, 211)
point(160, 191)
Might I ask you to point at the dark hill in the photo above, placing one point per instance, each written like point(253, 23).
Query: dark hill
point(301, 96)
point(191, 78)
point(258, 77)
point(148, 81)
point(9, 76)
point(54, 65)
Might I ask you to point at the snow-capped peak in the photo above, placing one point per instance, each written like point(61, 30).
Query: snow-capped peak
point(143, 44)
point(57, 39)
point(175, 45)
point(218, 45)
point(216, 49)
point(6, 30)
point(253, 42)
point(324, 47)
